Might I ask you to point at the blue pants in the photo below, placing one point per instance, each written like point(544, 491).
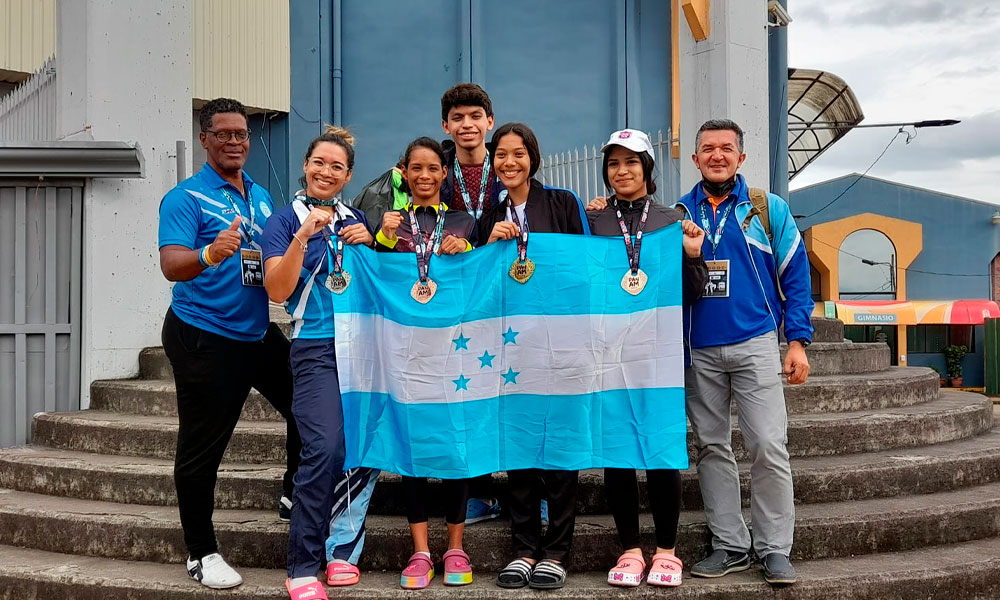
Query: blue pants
point(351, 496)
point(320, 419)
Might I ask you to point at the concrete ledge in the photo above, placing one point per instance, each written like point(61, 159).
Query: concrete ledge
point(131, 480)
point(257, 539)
point(954, 416)
point(961, 572)
point(895, 386)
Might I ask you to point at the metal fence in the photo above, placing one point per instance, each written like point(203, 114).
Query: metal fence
point(29, 112)
point(579, 170)
point(40, 252)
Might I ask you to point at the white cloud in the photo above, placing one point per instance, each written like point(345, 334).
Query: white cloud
point(909, 60)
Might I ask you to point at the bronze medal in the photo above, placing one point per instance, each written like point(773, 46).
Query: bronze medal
point(338, 283)
point(522, 270)
point(423, 292)
point(634, 284)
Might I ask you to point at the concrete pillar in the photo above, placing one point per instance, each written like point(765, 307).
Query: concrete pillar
point(124, 73)
point(726, 76)
point(777, 41)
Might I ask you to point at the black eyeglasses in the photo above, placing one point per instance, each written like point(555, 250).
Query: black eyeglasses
point(224, 135)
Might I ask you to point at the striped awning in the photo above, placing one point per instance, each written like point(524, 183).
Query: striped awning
point(912, 312)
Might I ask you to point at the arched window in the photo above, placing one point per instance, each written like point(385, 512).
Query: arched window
point(867, 266)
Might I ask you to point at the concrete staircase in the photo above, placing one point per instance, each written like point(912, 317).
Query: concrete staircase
point(897, 486)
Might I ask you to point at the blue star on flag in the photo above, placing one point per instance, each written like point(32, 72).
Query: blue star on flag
point(486, 360)
point(462, 383)
point(461, 342)
point(510, 376)
point(509, 337)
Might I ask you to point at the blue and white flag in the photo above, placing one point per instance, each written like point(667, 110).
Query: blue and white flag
point(566, 371)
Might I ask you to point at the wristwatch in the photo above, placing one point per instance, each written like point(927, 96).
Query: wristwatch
point(805, 343)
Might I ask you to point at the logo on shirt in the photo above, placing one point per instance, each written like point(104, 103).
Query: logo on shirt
point(265, 209)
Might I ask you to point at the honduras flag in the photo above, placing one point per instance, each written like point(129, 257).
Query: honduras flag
point(566, 371)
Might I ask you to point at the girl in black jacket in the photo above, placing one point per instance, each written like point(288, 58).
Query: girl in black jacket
point(628, 169)
point(526, 206)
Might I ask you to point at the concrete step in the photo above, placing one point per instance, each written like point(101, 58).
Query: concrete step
point(825, 358)
point(895, 386)
point(134, 480)
point(258, 539)
point(968, 571)
point(838, 358)
point(827, 330)
point(952, 416)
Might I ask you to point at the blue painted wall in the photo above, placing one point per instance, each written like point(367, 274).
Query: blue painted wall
point(959, 238)
point(574, 70)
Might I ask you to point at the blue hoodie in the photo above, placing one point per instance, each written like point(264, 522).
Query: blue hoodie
point(769, 282)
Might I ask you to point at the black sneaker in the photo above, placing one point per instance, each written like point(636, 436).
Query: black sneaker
point(778, 570)
point(285, 510)
point(721, 562)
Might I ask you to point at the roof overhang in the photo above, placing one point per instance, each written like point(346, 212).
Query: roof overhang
point(76, 159)
point(821, 110)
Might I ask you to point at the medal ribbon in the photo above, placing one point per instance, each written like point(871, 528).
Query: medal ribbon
point(522, 238)
point(717, 237)
point(475, 210)
point(422, 247)
point(632, 252)
point(246, 230)
point(338, 249)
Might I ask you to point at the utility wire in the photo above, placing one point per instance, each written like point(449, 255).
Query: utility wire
point(853, 183)
point(908, 270)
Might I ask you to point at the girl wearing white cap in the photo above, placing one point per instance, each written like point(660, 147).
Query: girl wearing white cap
point(628, 171)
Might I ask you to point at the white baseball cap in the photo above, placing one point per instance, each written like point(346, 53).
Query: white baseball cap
point(633, 139)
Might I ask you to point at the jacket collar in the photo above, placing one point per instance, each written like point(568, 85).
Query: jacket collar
point(212, 178)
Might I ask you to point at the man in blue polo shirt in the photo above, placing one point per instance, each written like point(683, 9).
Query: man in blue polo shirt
point(758, 281)
point(217, 331)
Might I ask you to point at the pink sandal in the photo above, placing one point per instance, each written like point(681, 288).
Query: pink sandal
point(665, 570)
point(341, 572)
point(309, 591)
point(418, 573)
point(628, 572)
point(457, 570)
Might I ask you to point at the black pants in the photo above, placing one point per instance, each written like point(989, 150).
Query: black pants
point(213, 375)
point(527, 489)
point(455, 499)
point(664, 489)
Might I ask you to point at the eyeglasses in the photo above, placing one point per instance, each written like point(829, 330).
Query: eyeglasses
point(224, 135)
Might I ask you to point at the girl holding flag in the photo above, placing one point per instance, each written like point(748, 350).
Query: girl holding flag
point(303, 247)
point(427, 228)
point(525, 207)
point(630, 212)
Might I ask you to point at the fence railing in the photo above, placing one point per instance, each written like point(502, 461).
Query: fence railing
point(579, 169)
point(29, 112)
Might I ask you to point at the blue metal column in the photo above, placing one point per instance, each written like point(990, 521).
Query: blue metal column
point(777, 45)
point(311, 27)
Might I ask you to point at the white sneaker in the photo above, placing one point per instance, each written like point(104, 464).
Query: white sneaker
point(213, 572)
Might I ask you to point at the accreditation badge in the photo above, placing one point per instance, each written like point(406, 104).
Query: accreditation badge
point(252, 267)
point(718, 279)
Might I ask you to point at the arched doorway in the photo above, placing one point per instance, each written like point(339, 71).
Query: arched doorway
point(868, 272)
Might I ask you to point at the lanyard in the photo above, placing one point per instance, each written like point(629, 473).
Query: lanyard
point(715, 239)
point(633, 253)
point(424, 248)
point(522, 238)
point(246, 230)
point(337, 265)
point(475, 210)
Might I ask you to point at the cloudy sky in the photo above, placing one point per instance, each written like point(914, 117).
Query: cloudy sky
point(909, 60)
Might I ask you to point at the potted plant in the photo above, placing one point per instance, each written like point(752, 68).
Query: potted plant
point(942, 380)
point(953, 357)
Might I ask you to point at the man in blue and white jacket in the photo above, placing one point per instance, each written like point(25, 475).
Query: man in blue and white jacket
point(755, 284)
